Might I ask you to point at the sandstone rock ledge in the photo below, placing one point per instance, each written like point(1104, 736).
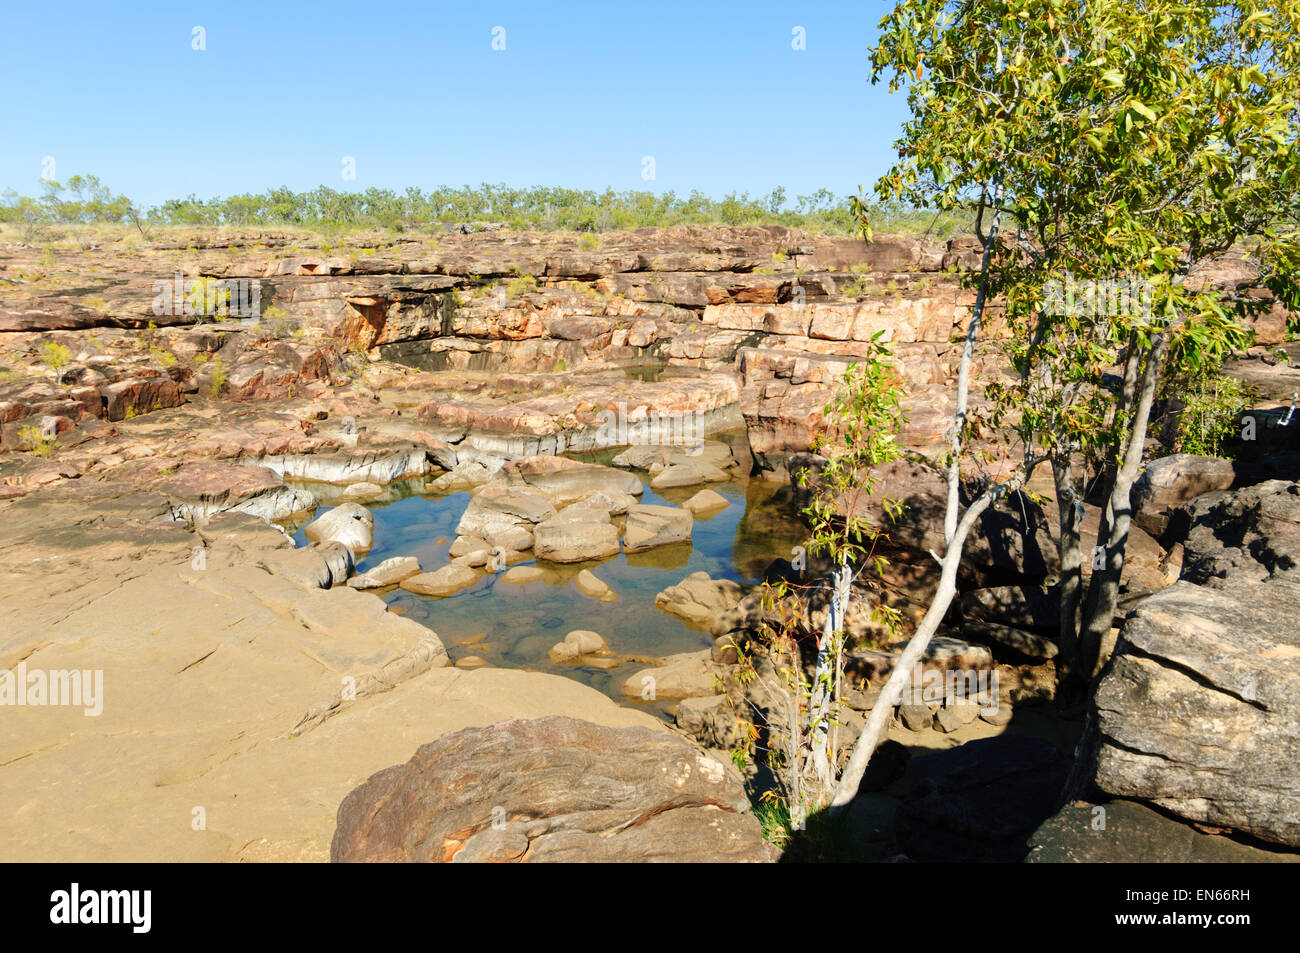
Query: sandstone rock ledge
point(238, 706)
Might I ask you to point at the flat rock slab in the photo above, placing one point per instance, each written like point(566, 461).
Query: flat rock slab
point(551, 790)
point(1129, 832)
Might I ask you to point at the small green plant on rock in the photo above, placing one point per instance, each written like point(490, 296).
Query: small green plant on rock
point(33, 440)
point(218, 382)
point(517, 287)
point(55, 356)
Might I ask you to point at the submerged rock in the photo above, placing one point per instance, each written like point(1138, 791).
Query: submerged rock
point(577, 646)
point(444, 582)
point(589, 585)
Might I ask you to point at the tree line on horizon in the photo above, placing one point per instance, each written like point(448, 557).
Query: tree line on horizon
point(84, 200)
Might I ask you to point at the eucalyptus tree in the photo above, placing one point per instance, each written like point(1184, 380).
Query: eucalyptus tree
point(1117, 144)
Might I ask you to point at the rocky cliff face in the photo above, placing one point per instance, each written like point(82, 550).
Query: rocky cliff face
point(755, 324)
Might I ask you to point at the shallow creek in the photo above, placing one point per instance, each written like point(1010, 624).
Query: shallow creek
point(513, 626)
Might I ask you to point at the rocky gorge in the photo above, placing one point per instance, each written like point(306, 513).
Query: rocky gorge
point(222, 515)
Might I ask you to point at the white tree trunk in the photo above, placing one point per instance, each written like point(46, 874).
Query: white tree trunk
point(883, 710)
point(963, 374)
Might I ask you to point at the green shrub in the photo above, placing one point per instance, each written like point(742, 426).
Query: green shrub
point(520, 286)
point(55, 357)
point(218, 383)
point(1212, 406)
point(33, 441)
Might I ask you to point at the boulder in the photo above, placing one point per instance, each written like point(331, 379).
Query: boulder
point(1127, 832)
point(577, 482)
point(551, 790)
point(1250, 534)
point(641, 457)
point(1032, 607)
point(362, 492)
point(705, 503)
point(687, 474)
point(349, 524)
point(318, 566)
point(1016, 644)
point(495, 509)
point(595, 588)
point(649, 526)
point(1199, 712)
point(687, 675)
point(464, 545)
point(699, 600)
point(578, 645)
point(443, 582)
point(950, 718)
point(915, 717)
point(713, 720)
point(471, 473)
point(575, 537)
point(388, 573)
point(1171, 481)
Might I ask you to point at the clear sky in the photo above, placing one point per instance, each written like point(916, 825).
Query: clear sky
point(417, 95)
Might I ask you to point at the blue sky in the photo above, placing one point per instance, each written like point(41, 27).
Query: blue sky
point(416, 94)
